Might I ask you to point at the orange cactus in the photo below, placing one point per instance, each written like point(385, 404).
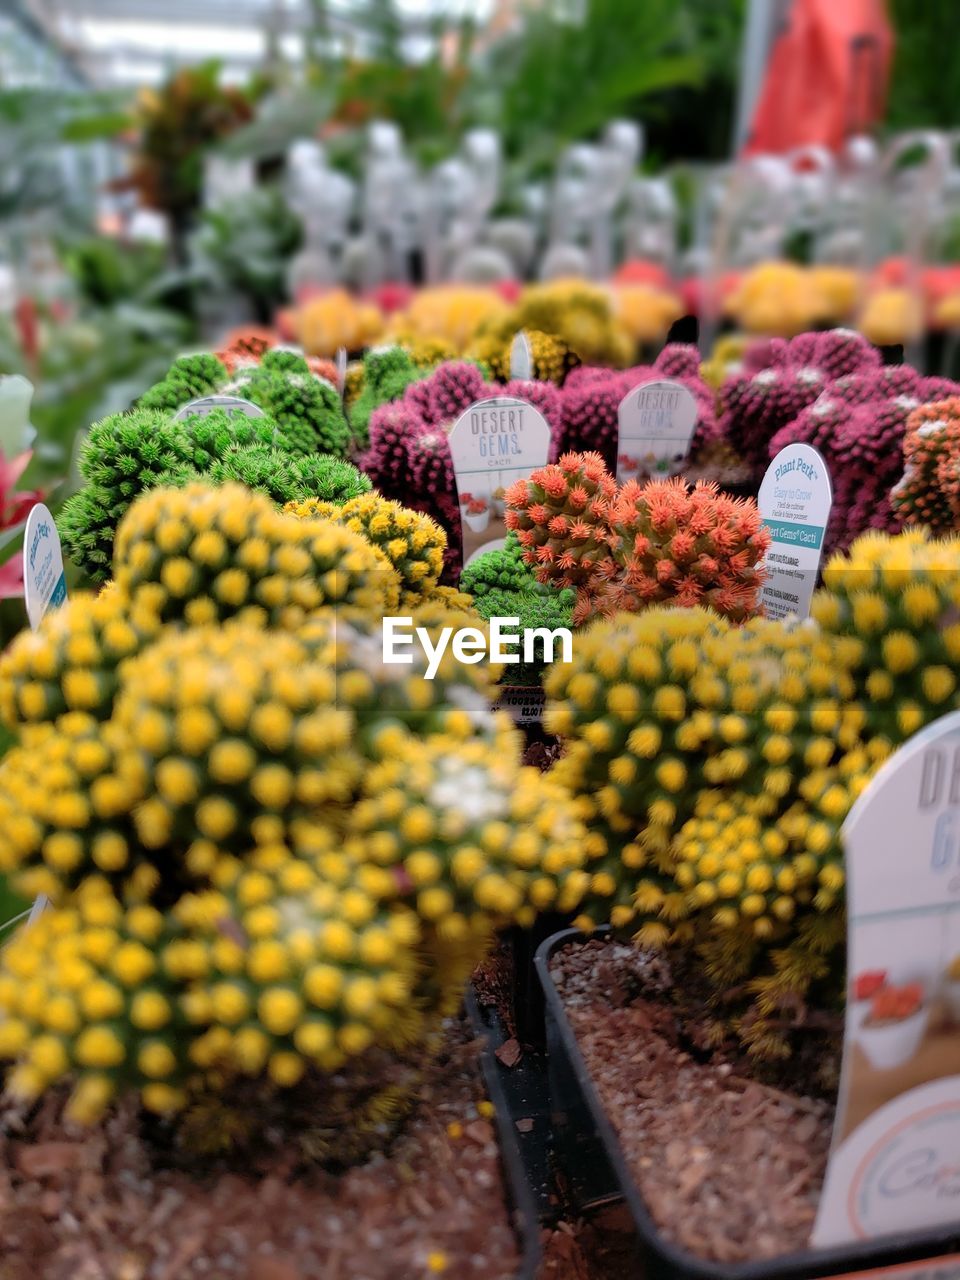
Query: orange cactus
point(929, 491)
point(561, 517)
point(662, 542)
point(688, 546)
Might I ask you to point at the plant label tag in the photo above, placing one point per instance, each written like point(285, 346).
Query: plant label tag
point(207, 404)
point(942, 1268)
point(44, 584)
point(493, 443)
point(524, 705)
point(794, 500)
point(893, 1164)
point(656, 423)
point(521, 358)
point(341, 371)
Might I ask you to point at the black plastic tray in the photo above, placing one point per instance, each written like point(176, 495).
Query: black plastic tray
point(586, 1136)
point(523, 1211)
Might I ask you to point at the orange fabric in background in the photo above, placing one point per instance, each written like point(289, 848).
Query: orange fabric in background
point(826, 78)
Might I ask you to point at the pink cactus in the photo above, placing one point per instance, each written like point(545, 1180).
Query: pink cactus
point(892, 380)
point(678, 360)
point(387, 461)
point(836, 353)
point(591, 400)
point(452, 388)
point(590, 421)
point(757, 405)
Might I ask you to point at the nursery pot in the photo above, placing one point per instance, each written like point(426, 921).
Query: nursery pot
point(585, 1135)
point(892, 1044)
point(478, 522)
point(520, 1202)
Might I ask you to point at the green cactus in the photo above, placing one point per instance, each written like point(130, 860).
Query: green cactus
point(306, 409)
point(188, 378)
point(504, 569)
point(387, 372)
point(122, 456)
point(213, 434)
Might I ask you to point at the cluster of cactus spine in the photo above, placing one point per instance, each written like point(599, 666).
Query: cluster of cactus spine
point(639, 544)
point(502, 569)
point(73, 665)
point(502, 585)
point(688, 546)
point(561, 519)
point(122, 456)
point(255, 835)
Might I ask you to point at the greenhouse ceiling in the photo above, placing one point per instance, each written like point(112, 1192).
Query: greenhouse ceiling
point(117, 42)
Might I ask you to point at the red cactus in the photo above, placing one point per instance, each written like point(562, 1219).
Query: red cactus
point(895, 1004)
point(245, 345)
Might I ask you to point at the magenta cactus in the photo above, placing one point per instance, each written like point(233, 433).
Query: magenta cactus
point(892, 380)
point(757, 405)
point(544, 396)
point(836, 353)
point(678, 360)
point(387, 461)
point(431, 464)
point(591, 400)
point(590, 422)
point(765, 353)
point(452, 388)
point(417, 398)
point(816, 425)
point(858, 423)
